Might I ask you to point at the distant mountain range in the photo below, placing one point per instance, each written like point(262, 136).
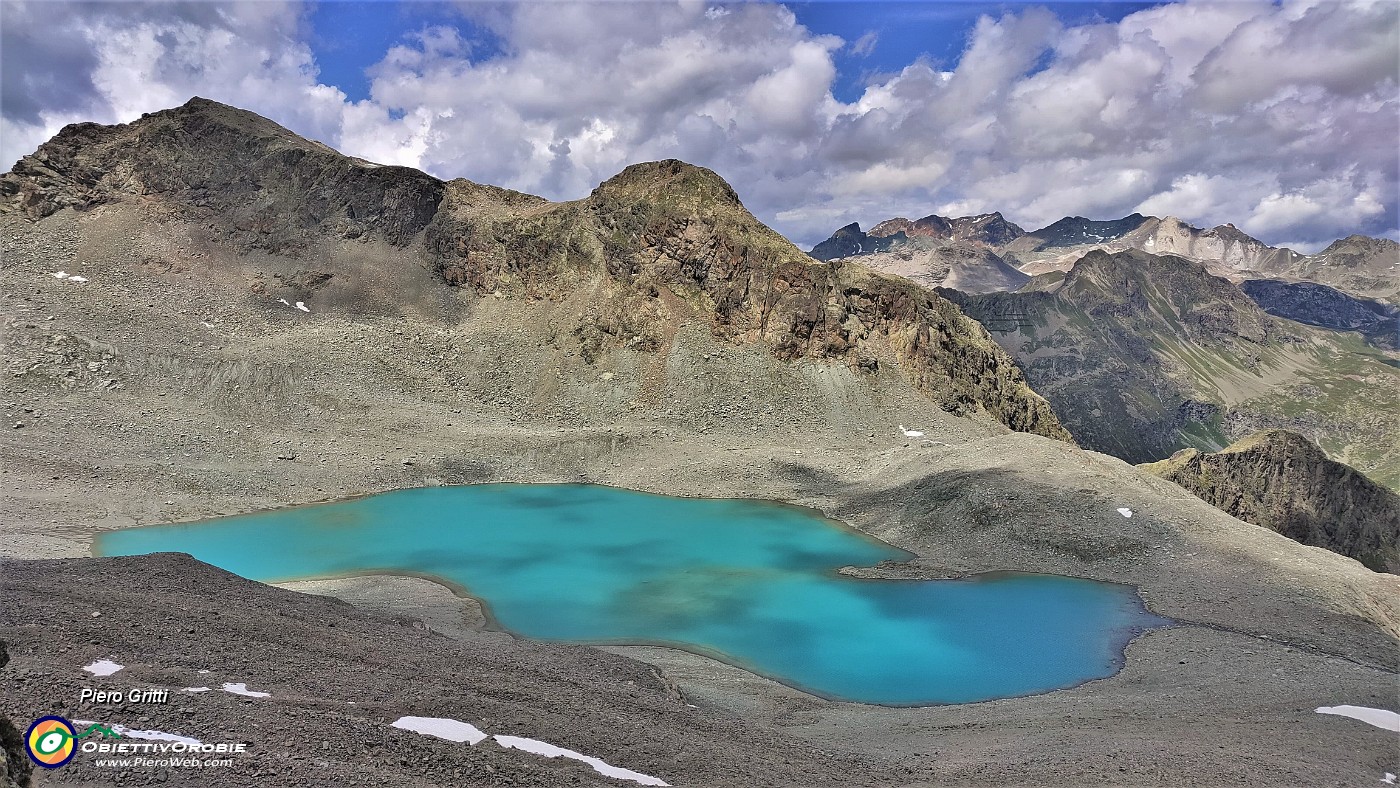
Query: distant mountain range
point(1148, 335)
point(924, 249)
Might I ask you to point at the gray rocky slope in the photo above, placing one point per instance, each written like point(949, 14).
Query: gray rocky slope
point(617, 340)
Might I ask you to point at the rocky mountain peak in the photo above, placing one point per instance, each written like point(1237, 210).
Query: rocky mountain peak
point(1133, 284)
point(1077, 230)
point(271, 188)
point(1362, 244)
point(931, 226)
point(1278, 441)
point(670, 179)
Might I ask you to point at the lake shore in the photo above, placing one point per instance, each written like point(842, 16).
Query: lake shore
point(1171, 716)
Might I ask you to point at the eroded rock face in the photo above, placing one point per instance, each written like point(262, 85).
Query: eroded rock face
point(1281, 481)
point(662, 243)
point(933, 251)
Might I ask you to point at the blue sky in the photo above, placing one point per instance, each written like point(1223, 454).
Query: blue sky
point(905, 32)
point(1279, 116)
point(350, 36)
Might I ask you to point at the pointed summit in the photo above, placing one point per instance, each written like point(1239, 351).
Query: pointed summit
point(845, 242)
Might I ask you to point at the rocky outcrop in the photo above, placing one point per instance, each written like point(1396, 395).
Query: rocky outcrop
point(662, 243)
point(1283, 482)
point(15, 769)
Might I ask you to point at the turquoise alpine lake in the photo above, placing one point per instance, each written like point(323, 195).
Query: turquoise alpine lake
point(753, 583)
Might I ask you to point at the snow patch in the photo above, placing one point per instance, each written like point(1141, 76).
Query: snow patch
point(1125, 511)
point(1387, 720)
point(195, 689)
point(128, 733)
point(103, 667)
point(59, 275)
point(76, 278)
point(910, 433)
point(551, 751)
point(302, 307)
point(1388, 779)
point(242, 689)
point(442, 728)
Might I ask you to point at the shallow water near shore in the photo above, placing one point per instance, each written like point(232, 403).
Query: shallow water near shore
point(753, 583)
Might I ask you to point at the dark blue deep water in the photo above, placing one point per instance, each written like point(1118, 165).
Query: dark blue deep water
point(752, 583)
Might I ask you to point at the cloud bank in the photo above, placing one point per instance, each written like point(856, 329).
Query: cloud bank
point(1283, 119)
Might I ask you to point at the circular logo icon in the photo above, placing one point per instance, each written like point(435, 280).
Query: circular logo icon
point(50, 742)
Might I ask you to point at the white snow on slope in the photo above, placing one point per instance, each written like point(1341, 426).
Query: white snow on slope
point(195, 689)
point(242, 689)
point(1125, 511)
point(302, 307)
point(458, 731)
point(1387, 720)
point(551, 751)
point(103, 667)
point(128, 733)
point(442, 728)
